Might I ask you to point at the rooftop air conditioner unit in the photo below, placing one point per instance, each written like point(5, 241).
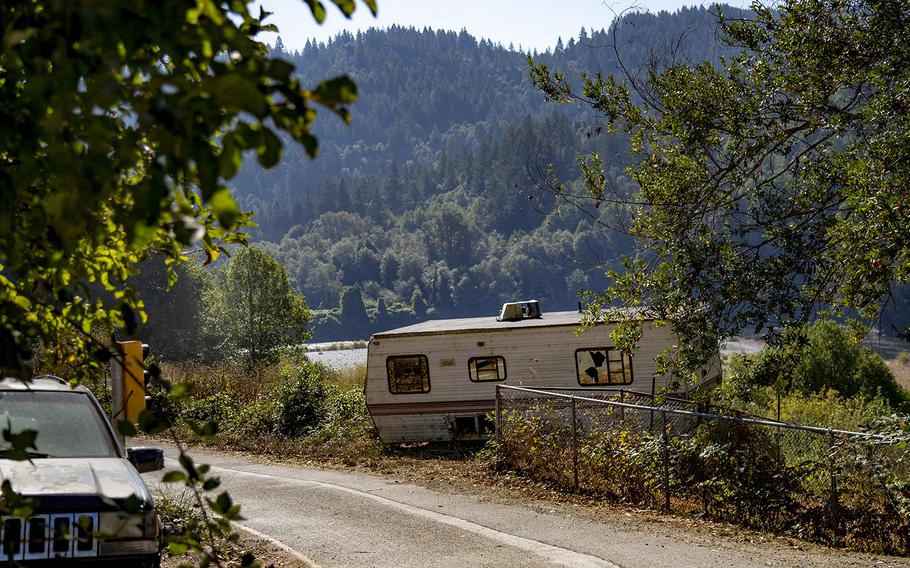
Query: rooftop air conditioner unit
point(514, 311)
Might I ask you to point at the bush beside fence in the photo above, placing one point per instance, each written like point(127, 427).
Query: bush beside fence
point(842, 488)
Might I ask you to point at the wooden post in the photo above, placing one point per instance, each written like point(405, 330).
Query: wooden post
point(651, 419)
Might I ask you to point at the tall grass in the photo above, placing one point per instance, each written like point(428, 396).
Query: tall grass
point(292, 408)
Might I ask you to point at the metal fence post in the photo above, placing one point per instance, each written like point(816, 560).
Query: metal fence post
point(651, 419)
point(622, 409)
point(666, 460)
point(574, 444)
point(834, 506)
point(498, 417)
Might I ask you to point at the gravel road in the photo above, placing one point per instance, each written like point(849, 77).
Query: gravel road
point(342, 519)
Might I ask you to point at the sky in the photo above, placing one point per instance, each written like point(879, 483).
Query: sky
point(531, 24)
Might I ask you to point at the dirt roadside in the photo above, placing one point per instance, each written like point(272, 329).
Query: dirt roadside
point(267, 554)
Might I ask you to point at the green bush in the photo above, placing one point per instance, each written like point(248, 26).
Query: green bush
point(822, 358)
point(252, 420)
point(217, 408)
point(295, 407)
point(829, 410)
point(737, 473)
point(300, 400)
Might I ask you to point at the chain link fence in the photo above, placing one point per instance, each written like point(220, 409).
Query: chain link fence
point(832, 486)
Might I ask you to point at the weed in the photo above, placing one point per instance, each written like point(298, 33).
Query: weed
point(835, 489)
point(294, 407)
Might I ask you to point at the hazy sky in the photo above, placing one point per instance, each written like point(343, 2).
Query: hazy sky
point(533, 24)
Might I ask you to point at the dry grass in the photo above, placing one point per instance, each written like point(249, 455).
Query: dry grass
point(352, 378)
point(901, 370)
point(243, 403)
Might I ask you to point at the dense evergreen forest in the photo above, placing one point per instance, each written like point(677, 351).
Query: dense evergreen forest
point(433, 202)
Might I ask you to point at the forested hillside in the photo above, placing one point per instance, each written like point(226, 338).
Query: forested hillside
point(429, 202)
point(426, 91)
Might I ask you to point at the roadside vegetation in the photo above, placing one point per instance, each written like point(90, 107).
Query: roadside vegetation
point(824, 379)
point(835, 489)
point(292, 408)
point(181, 518)
point(850, 493)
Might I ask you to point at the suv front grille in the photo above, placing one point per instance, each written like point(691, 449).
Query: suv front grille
point(48, 536)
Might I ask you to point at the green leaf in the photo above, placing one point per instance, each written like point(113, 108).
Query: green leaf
point(231, 158)
point(126, 428)
point(150, 423)
point(207, 430)
point(19, 443)
point(247, 560)
point(280, 69)
point(223, 503)
point(180, 391)
point(317, 9)
point(347, 6)
point(225, 208)
point(187, 463)
point(269, 150)
point(371, 4)
point(129, 318)
point(173, 477)
point(237, 92)
point(177, 548)
point(132, 505)
point(340, 90)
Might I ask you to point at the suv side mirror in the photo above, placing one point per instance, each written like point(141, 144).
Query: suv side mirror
point(146, 459)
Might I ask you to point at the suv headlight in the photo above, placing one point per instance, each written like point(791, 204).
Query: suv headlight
point(125, 534)
point(117, 524)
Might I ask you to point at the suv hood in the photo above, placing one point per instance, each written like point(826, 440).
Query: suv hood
point(104, 478)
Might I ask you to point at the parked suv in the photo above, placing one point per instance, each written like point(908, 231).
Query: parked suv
point(81, 478)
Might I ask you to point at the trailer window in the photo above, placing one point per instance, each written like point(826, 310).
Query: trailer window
point(408, 374)
point(487, 369)
point(603, 366)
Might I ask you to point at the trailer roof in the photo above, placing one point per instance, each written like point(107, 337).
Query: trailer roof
point(462, 325)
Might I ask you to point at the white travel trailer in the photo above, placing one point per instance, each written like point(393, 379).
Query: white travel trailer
point(436, 380)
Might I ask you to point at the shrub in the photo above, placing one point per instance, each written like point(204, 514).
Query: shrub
point(829, 410)
point(823, 357)
point(300, 400)
point(294, 407)
point(252, 420)
point(825, 487)
point(217, 408)
point(737, 473)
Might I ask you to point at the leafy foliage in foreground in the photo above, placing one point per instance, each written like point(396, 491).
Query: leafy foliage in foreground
point(119, 127)
point(773, 185)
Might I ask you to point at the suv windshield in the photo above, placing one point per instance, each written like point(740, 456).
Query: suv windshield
point(68, 423)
